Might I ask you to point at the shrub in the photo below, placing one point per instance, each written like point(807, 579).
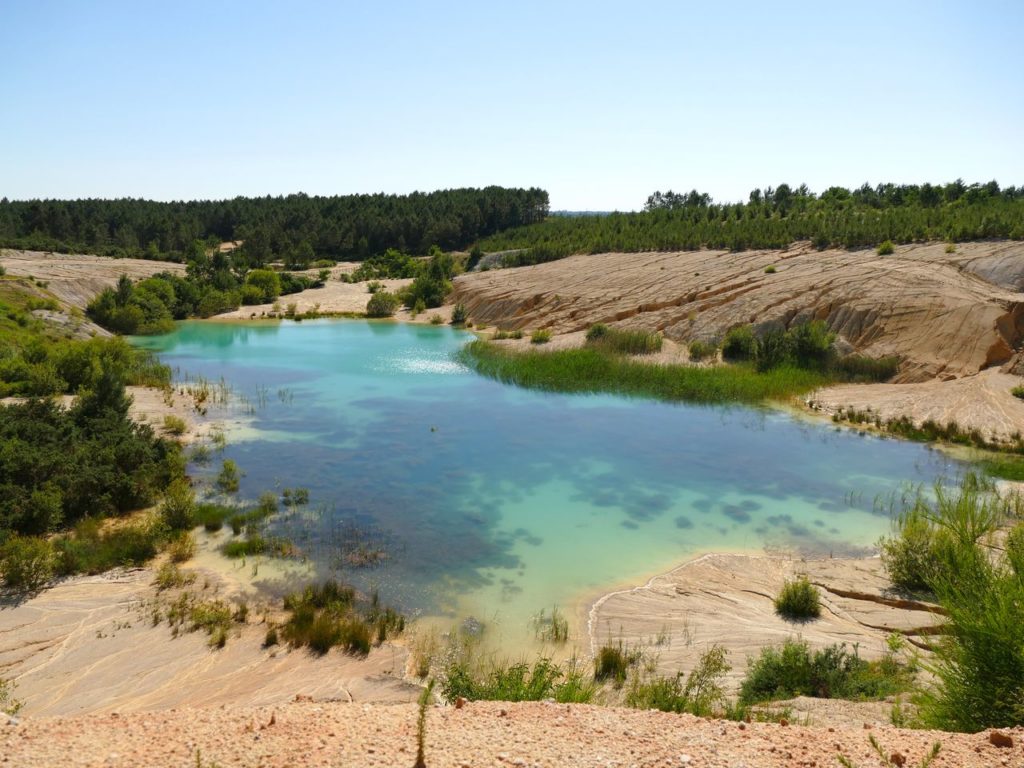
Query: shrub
point(702, 694)
point(212, 516)
point(739, 343)
point(382, 304)
point(175, 425)
point(459, 314)
point(436, 320)
point(374, 286)
point(886, 248)
point(94, 549)
point(540, 336)
point(8, 704)
point(514, 681)
point(832, 672)
point(951, 248)
point(770, 269)
point(170, 576)
point(858, 368)
point(978, 663)
point(26, 563)
point(178, 507)
point(1018, 392)
point(798, 600)
point(623, 342)
point(613, 662)
point(182, 547)
point(701, 349)
point(229, 477)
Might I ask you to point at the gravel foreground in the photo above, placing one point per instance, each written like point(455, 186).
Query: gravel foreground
point(344, 735)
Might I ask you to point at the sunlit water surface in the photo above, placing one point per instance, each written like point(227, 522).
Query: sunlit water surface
point(496, 502)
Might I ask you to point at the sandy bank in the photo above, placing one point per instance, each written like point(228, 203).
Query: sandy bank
point(727, 599)
point(89, 644)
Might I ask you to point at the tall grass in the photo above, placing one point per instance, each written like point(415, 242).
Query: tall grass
point(591, 370)
point(623, 342)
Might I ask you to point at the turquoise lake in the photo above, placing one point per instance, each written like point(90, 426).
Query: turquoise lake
point(494, 501)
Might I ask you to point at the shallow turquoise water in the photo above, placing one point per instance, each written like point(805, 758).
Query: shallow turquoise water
point(496, 501)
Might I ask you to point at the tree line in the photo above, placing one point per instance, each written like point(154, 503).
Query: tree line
point(777, 217)
point(297, 229)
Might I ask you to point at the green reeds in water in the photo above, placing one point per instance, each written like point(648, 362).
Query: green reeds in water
point(591, 370)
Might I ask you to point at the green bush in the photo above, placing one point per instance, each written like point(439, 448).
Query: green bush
point(701, 349)
point(229, 478)
point(798, 600)
point(1018, 392)
point(459, 314)
point(92, 548)
point(978, 662)
point(382, 304)
point(540, 336)
point(179, 505)
point(739, 343)
point(613, 662)
point(329, 615)
point(175, 425)
point(702, 695)
point(886, 248)
point(515, 681)
point(831, 673)
point(27, 563)
point(770, 269)
point(623, 342)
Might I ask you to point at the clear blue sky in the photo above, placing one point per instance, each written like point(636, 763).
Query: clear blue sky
point(600, 103)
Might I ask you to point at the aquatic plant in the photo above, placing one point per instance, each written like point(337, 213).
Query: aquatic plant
point(591, 370)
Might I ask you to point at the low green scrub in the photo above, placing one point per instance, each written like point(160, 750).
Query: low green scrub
point(95, 548)
point(212, 516)
point(948, 544)
point(700, 695)
point(700, 350)
point(886, 248)
point(798, 600)
point(460, 314)
point(540, 336)
point(382, 304)
point(928, 529)
point(432, 282)
point(500, 335)
point(1018, 392)
point(475, 680)
point(332, 615)
point(613, 662)
point(831, 673)
point(624, 342)
point(591, 370)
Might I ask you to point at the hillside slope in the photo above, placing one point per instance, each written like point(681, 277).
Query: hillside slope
point(947, 315)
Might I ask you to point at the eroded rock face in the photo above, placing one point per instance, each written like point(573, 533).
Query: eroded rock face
point(946, 315)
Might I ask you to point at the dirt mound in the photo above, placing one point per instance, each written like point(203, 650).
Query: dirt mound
point(946, 315)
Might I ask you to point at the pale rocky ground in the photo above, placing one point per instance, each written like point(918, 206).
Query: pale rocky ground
point(336, 735)
point(76, 279)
